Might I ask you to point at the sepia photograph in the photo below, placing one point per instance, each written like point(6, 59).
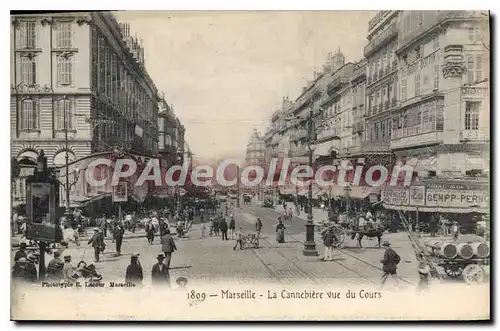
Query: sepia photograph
point(250, 165)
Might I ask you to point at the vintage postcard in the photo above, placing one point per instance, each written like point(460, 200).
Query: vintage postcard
point(259, 165)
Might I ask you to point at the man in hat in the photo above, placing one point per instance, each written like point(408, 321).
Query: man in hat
point(67, 268)
point(55, 267)
point(168, 247)
point(389, 263)
point(134, 273)
point(160, 275)
point(223, 227)
point(119, 231)
point(30, 271)
point(21, 252)
point(97, 242)
point(328, 238)
point(239, 238)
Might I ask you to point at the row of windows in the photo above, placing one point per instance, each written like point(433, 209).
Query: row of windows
point(29, 114)
point(29, 70)
point(27, 35)
point(112, 78)
point(418, 119)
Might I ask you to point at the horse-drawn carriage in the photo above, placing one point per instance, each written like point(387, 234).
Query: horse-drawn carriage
point(347, 227)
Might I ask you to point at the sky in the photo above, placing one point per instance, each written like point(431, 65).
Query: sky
point(226, 72)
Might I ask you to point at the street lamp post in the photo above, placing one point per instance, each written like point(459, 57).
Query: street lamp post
point(310, 244)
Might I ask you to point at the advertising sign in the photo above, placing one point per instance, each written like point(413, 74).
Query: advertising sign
point(396, 197)
point(41, 210)
point(120, 193)
point(437, 196)
point(417, 195)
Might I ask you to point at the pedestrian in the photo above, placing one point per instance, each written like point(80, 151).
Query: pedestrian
point(150, 232)
point(389, 263)
point(232, 226)
point(21, 252)
point(216, 225)
point(97, 242)
point(25, 270)
point(223, 228)
point(423, 272)
point(168, 247)
point(55, 267)
point(211, 226)
point(119, 231)
point(328, 238)
point(280, 232)
point(203, 229)
point(159, 274)
point(68, 270)
point(444, 226)
point(13, 225)
point(134, 271)
point(258, 226)
point(432, 226)
point(455, 230)
point(239, 238)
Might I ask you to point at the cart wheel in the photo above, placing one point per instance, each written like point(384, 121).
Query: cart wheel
point(473, 274)
point(453, 271)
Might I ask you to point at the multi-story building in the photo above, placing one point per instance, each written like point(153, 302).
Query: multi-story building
point(78, 75)
point(443, 118)
point(256, 149)
point(381, 83)
point(170, 135)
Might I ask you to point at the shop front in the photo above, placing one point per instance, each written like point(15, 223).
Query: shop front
point(460, 200)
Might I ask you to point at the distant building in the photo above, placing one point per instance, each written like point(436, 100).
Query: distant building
point(256, 149)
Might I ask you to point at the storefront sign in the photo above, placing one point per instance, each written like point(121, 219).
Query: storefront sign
point(396, 197)
point(417, 195)
point(469, 90)
point(456, 198)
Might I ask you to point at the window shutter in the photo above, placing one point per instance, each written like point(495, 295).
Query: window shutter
point(21, 43)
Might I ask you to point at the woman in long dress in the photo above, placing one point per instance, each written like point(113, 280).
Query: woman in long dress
point(280, 232)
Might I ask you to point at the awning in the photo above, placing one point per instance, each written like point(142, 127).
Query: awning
point(362, 192)
point(476, 163)
point(28, 155)
point(323, 149)
point(465, 210)
point(426, 164)
point(82, 201)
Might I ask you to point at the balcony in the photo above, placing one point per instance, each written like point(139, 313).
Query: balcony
point(301, 150)
point(376, 146)
point(354, 149)
point(359, 126)
point(389, 34)
point(386, 105)
point(475, 135)
point(298, 135)
point(394, 102)
point(336, 84)
point(374, 110)
point(407, 137)
point(369, 80)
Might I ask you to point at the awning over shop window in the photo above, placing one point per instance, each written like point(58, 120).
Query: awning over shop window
point(324, 149)
point(466, 210)
point(362, 192)
point(476, 163)
point(426, 164)
point(287, 191)
point(32, 156)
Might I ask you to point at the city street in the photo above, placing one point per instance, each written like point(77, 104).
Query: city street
point(210, 259)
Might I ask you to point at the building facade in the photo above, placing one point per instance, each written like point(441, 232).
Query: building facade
point(256, 150)
point(79, 76)
point(419, 97)
point(170, 135)
point(442, 123)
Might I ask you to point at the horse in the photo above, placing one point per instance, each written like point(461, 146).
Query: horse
point(150, 233)
point(363, 231)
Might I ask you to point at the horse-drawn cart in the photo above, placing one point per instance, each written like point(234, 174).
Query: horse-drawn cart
point(470, 270)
